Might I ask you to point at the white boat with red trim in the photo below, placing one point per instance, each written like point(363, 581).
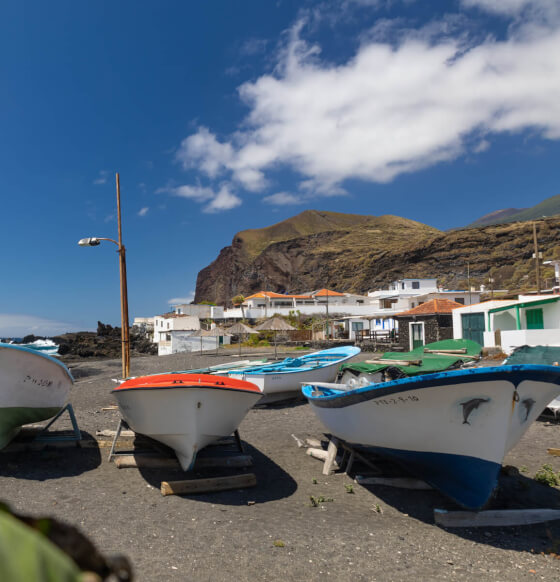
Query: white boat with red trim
point(185, 411)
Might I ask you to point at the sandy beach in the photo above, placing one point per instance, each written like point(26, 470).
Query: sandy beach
point(273, 531)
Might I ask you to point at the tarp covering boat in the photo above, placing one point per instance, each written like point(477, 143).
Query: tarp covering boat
point(430, 362)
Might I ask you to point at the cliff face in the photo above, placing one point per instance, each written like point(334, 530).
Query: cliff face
point(358, 253)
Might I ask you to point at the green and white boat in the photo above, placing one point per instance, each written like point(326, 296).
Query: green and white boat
point(33, 387)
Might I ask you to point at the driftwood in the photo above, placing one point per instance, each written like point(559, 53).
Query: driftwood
point(400, 482)
point(395, 362)
point(498, 517)
point(207, 485)
point(553, 452)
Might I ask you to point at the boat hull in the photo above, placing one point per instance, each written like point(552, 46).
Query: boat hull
point(185, 415)
point(452, 429)
point(274, 379)
point(33, 388)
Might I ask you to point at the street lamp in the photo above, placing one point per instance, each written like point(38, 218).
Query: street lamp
point(95, 241)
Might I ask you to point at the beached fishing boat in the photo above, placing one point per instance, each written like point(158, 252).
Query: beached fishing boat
point(33, 387)
point(185, 411)
point(288, 375)
point(451, 429)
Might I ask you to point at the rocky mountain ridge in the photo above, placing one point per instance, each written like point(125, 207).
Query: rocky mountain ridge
point(351, 253)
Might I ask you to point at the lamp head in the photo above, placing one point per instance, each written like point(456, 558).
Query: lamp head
point(89, 242)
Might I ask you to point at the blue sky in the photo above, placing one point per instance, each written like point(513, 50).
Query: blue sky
point(222, 116)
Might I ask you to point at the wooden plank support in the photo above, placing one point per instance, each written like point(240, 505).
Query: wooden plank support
point(400, 482)
point(455, 351)
point(461, 356)
point(207, 485)
point(330, 462)
point(157, 462)
point(395, 362)
point(317, 454)
point(553, 452)
point(354, 454)
point(497, 517)
point(112, 433)
point(314, 443)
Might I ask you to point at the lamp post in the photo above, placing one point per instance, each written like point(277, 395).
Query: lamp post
point(95, 241)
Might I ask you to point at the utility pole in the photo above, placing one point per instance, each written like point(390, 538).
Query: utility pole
point(125, 331)
point(536, 256)
point(327, 313)
point(469, 281)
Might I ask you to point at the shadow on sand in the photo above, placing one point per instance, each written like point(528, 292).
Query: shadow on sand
point(272, 481)
point(52, 462)
point(514, 491)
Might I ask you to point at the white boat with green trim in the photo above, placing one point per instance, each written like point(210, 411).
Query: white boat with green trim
point(33, 387)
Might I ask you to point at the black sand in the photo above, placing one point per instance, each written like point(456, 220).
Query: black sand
point(374, 533)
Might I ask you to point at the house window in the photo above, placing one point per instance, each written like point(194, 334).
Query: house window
point(403, 285)
point(357, 325)
point(168, 337)
point(387, 303)
point(534, 319)
point(460, 300)
point(416, 284)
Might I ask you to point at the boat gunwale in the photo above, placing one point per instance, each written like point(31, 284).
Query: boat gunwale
point(309, 364)
point(39, 354)
point(333, 398)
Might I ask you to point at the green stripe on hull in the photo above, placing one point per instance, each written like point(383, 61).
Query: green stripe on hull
point(11, 420)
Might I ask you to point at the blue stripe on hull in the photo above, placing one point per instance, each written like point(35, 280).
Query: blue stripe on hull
point(467, 480)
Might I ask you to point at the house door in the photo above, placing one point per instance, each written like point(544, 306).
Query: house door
point(473, 327)
point(417, 335)
point(534, 319)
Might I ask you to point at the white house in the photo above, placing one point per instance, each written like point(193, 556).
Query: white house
point(201, 311)
point(529, 320)
point(166, 327)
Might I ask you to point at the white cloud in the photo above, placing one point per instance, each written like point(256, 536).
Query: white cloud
point(20, 325)
point(216, 201)
point(392, 108)
point(283, 199)
point(203, 148)
point(224, 200)
point(143, 211)
point(514, 7)
point(179, 300)
point(101, 178)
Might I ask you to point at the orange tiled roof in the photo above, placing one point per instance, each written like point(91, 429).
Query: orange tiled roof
point(262, 294)
point(432, 307)
point(325, 292)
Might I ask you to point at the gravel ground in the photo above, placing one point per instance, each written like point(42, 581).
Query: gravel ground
point(371, 533)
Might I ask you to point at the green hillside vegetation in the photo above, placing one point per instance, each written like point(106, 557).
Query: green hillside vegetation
point(548, 207)
point(356, 254)
point(313, 222)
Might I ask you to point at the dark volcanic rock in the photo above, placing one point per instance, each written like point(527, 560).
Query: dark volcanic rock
point(106, 343)
point(375, 252)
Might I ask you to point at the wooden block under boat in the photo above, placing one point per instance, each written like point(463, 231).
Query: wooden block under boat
point(208, 485)
point(157, 462)
point(497, 517)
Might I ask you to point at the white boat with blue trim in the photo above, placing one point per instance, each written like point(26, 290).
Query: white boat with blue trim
point(451, 429)
point(33, 387)
point(288, 375)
